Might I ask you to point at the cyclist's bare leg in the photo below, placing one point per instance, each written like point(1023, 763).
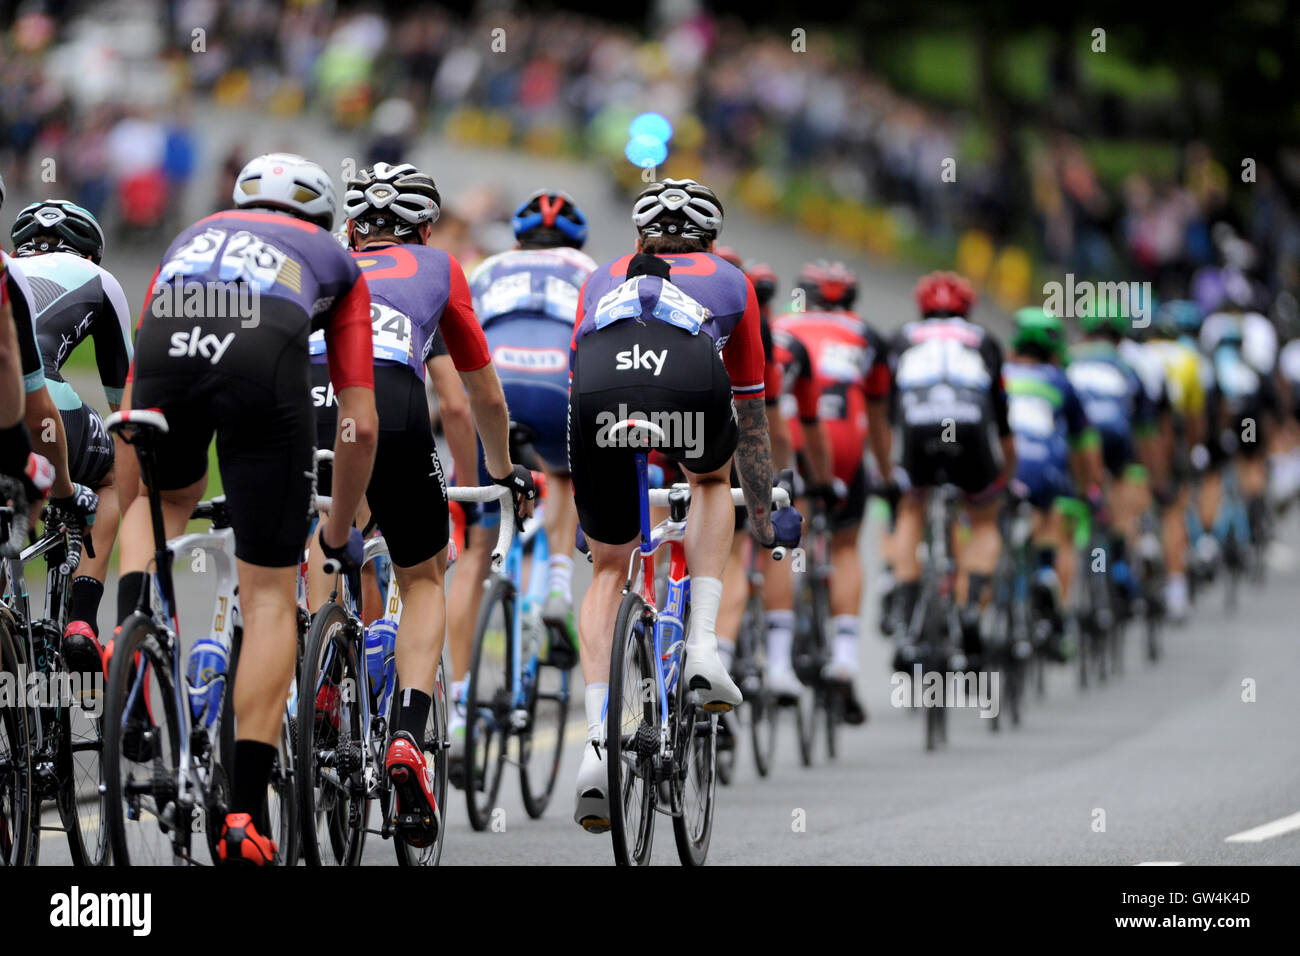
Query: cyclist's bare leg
point(424, 614)
point(908, 527)
point(464, 595)
point(561, 512)
point(710, 531)
point(1173, 523)
point(268, 605)
point(600, 607)
point(981, 551)
point(1208, 500)
point(102, 534)
point(735, 592)
point(136, 545)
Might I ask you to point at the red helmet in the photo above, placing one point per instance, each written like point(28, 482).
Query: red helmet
point(728, 253)
point(764, 281)
point(828, 284)
point(944, 293)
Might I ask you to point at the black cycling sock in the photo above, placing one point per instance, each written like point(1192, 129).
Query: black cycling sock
point(253, 761)
point(907, 593)
point(83, 601)
point(129, 587)
point(1046, 557)
point(414, 713)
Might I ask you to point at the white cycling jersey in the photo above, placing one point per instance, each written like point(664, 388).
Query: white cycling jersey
point(1258, 338)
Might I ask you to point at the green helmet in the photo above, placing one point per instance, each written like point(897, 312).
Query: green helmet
point(1038, 330)
point(1102, 316)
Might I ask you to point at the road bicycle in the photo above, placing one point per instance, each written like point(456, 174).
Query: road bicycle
point(661, 742)
point(517, 687)
point(50, 742)
point(344, 721)
point(1018, 624)
point(169, 729)
point(1092, 597)
point(821, 704)
point(761, 709)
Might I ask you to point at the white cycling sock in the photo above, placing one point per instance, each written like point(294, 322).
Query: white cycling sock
point(706, 595)
point(595, 701)
point(560, 574)
point(780, 638)
point(845, 652)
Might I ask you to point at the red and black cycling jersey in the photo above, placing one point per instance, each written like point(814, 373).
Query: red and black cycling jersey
point(718, 296)
point(834, 364)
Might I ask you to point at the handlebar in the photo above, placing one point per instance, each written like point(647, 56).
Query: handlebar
point(780, 499)
point(506, 530)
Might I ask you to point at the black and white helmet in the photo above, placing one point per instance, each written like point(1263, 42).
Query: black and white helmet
point(400, 198)
point(288, 181)
point(678, 207)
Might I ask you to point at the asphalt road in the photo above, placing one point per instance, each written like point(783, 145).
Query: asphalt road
point(1162, 765)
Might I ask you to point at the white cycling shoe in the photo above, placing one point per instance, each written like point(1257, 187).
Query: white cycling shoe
point(591, 811)
point(782, 682)
point(706, 675)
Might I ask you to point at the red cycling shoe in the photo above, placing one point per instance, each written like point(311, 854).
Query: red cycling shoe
point(416, 811)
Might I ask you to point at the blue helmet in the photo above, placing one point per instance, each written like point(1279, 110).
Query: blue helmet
point(1180, 317)
point(555, 210)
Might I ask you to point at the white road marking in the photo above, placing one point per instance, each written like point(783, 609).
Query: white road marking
point(1266, 831)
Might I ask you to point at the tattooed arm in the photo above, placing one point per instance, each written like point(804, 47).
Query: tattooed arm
point(754, 463)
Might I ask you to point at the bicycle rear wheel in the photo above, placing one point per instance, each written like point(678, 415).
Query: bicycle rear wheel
point(632, 735)
point(80, 802)
point(142, 751)
point(15, 757)
point(490, 699)
point(541, 744)
point(329, 777)
point(695, 778)
point(435, 745)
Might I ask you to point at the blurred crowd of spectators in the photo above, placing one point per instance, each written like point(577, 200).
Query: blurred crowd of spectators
point(745, 103)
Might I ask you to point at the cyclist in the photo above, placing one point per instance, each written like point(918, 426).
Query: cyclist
point(1183, 373)
point(247, 378)
point(414, 290)
point(1241, 345)
point(62, 244)
point(34, 447)
point(526, 299)
point(1057, 451)
point(837, 369)
point(951, 409)
point(1121, 409)
point(637, 348)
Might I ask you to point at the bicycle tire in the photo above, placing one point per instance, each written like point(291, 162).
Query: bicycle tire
point(83, 851)
point(15, 758)
point(553, 706)
point(435, 745)
point(631, 774)
point(141, 664)
point(487, 711)
point(697, 739)
point(333, 829)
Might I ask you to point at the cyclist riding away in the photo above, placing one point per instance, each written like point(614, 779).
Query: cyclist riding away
point(951, 410)
point(246, 377)
point(415, 291)
point(1054, 444)
point(837, 369)
point(61, 245)
point(671, 331)
point(526, 299)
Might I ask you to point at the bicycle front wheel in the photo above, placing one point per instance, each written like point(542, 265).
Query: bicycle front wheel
point(542, 742)
point(15, 757)
point(333, 798)
point(141, 764)
point(632, 735)
point(435, 745)
point(490, 699)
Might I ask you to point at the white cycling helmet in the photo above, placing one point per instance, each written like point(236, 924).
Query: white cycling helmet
point(398, 197)
point(289, 182)
point(696, 208)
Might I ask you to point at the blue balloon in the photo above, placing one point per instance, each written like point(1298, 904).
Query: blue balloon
point(645, 151)
point(651, 124)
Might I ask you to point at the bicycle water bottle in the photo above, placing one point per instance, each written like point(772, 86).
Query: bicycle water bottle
point(205, 679)
point(381, 661)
